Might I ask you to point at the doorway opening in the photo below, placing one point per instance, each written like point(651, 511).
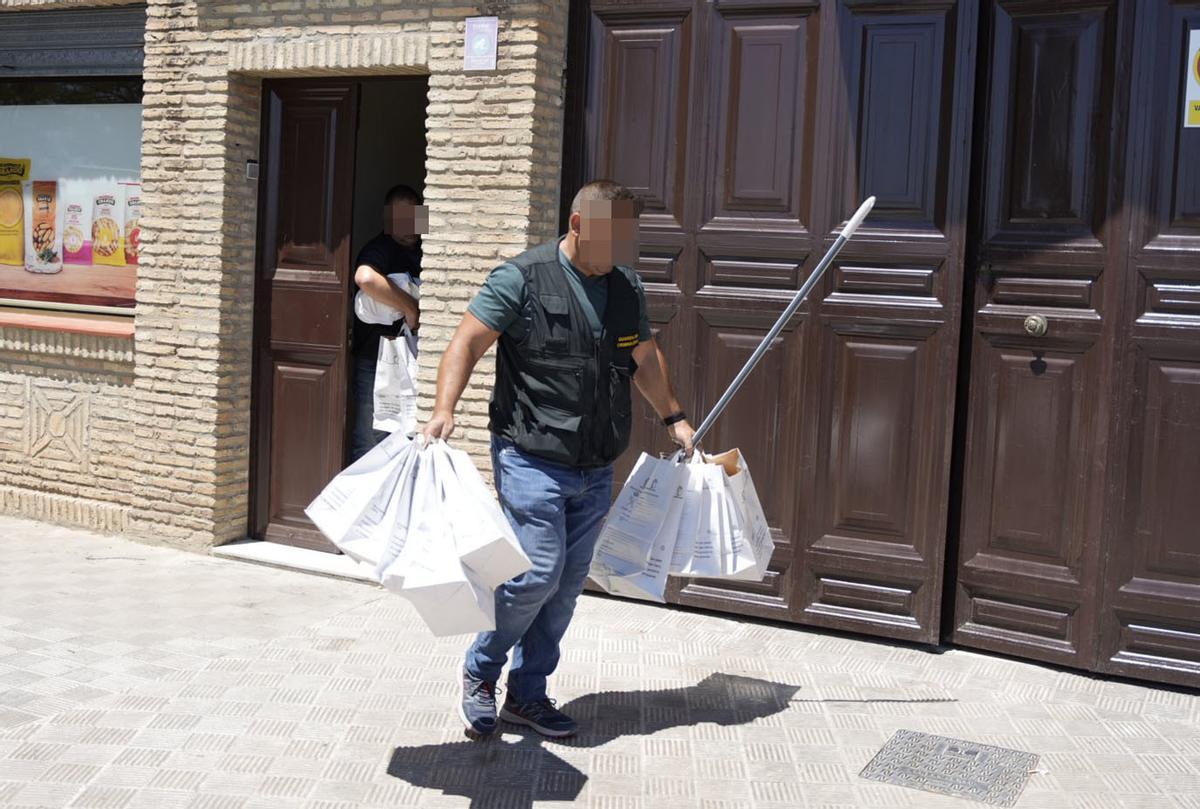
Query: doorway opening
point(331, 149)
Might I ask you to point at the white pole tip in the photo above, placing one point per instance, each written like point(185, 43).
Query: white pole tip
point(858, 217)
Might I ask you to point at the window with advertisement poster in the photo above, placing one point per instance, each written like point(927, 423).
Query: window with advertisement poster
point(70, 192)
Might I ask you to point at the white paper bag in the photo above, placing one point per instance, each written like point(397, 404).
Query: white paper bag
point(635, 519)
point(485, 541)
point(385, 524)
point(364, 485)
point(427, 571)
point(650, 583)
point(444, 593)
point(747, 545)
point(448, 599)
point(396, 384)
point(698, 548)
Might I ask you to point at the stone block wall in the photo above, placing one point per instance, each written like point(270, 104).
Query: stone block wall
point(152, 436)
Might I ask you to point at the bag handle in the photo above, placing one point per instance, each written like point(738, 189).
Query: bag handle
point(424, 443)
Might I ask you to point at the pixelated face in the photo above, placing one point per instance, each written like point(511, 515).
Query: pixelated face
point(405, 221)
point(608, 234)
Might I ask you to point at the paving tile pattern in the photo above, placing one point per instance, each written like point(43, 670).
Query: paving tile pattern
point(134, 676)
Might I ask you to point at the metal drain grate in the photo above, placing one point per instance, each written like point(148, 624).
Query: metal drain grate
point(993, 775)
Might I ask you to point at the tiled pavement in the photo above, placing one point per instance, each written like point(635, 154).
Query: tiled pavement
point(134, 677)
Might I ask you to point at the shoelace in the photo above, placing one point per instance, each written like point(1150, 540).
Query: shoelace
point(489, 689)
point(541, 707)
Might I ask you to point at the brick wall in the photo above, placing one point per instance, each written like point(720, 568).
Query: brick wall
point(156, 435)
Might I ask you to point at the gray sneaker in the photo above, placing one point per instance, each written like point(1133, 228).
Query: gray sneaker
point(477, 708)
point(541, 715)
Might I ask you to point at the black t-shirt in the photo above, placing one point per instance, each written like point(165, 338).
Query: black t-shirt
point(387, 256)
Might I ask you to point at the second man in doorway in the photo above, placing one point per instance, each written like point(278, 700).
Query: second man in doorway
point(387, 270)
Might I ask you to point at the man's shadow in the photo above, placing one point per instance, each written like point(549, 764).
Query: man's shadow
point(514, 775)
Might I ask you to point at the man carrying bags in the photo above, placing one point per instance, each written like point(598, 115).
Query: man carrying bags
point(570, 318)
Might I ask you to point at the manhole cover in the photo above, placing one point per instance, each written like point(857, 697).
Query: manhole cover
point(980, 772)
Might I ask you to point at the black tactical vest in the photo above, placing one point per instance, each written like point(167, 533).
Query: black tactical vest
point(561, 394)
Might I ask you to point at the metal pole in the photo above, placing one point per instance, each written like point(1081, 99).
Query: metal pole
point(845, 236)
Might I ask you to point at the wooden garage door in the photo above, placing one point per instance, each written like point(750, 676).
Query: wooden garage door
point(753, 129)
point(1079, 542)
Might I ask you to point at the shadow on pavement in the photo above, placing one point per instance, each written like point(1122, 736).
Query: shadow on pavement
point(514, 775)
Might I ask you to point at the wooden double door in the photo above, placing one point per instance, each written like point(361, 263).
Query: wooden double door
point(984, 425)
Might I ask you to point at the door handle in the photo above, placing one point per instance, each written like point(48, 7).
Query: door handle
point(1036, 326)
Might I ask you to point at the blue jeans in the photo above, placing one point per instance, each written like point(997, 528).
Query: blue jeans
point(364, 436)
point(556, 512)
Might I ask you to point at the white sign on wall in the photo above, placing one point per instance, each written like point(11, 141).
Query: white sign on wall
point(479, 51)
point(1191, 110)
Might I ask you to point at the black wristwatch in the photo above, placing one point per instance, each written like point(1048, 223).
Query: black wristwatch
point(675, 418)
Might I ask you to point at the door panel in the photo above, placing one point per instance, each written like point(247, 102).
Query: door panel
point(304, 383)
point(759, 94)
point(1027, 550)
point(872, 447)
point(308, 144)
point(900, 71)
point(871, 558)
point(1047, 153)
point(881, 369)
point(1169, 464)
point(1038, 411)
point(303, 293)
point(761, 423)
point(760, 151)
point(1151, 620)
point(639, 106)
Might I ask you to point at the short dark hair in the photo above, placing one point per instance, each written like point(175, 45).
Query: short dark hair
point(605, 190)
point(402, 192)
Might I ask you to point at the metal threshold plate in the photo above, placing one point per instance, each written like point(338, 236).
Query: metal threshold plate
point(992, 775)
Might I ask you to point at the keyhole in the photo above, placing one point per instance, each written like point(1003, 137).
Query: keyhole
point(1038, 365)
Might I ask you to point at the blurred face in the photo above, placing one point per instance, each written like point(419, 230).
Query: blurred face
point(405, 221)
point(608, 235)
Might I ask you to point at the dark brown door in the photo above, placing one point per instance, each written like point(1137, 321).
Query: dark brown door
point(1048, 255)
point(752, 129)
point(1150, 625)
point(302, 303)
point(1079, 540)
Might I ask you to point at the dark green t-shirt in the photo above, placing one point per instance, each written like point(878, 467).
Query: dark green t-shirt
point(501, 300)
